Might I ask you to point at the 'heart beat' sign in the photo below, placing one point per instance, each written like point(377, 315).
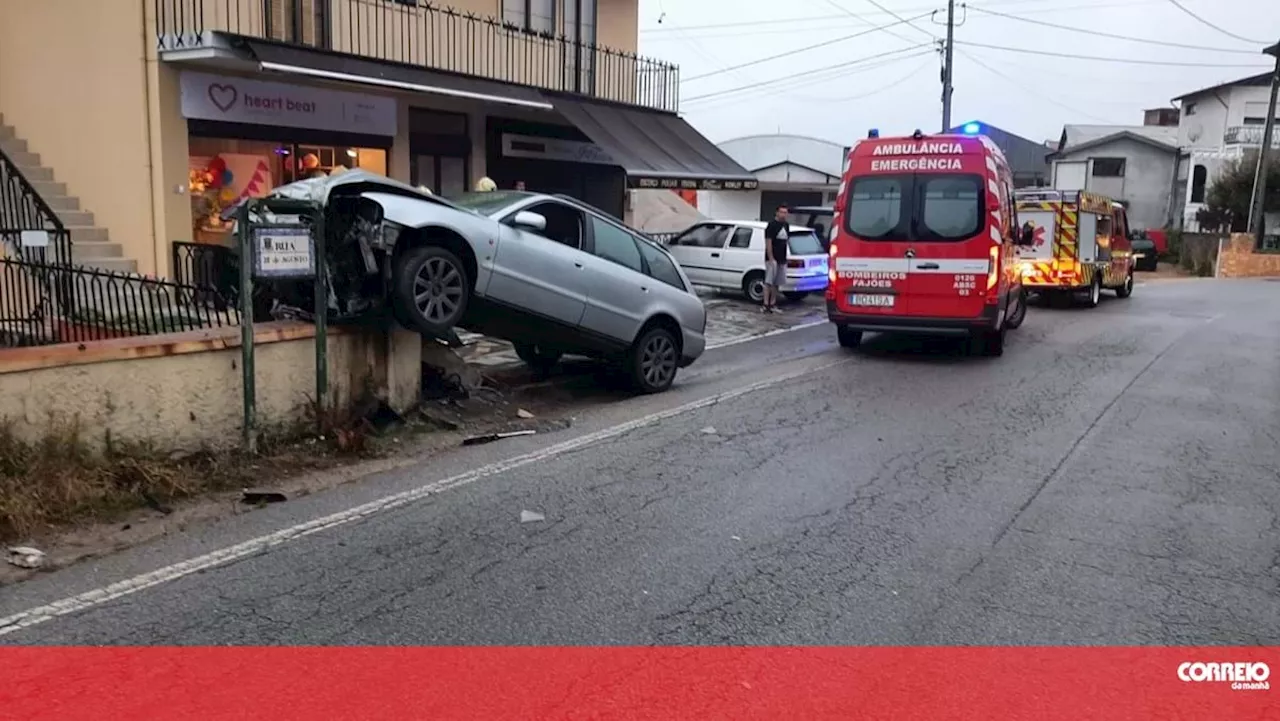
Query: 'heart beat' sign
point(242, 100)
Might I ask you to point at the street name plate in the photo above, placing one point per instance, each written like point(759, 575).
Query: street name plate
point(283, 251)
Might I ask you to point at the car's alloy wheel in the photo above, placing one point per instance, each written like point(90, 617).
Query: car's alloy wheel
point(431, 289)
point(753, 286)
point(655, 360)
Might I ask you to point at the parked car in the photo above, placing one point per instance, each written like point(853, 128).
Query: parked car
point(1145, 252)
point(729, 254)
point(548, 273)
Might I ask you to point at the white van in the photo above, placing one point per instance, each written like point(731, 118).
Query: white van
point(729, 255)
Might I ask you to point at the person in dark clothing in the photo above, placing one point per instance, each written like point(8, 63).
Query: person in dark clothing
point(776, 235)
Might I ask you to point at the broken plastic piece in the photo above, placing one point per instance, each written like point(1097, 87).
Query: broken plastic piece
point(491, 437)
point(531, 517)
point(709, 430)
point(522, 413)
point(255, 496)
point(26, 557)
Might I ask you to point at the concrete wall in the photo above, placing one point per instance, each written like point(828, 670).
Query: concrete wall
point(73, 81)
point(184, 391)
point(1147, 182)
point(1237, 259)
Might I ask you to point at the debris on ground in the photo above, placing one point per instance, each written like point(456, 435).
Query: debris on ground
point(491, 437)
point(26, 557)
point(736, 538)
point(260, 497)
point(531, 517)
point(709, 431)
point(522, 413)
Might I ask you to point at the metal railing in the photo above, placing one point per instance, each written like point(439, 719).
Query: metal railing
point(23, 210)
point(419, 33)
point(214, 270)
point(45, 303)
point(1248, 135)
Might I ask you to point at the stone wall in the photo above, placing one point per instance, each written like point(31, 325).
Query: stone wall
point(1238, 259)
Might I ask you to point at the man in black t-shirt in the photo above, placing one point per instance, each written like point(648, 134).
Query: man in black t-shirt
point(776, 235)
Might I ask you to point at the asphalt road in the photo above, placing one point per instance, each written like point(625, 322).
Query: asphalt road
point(1111, 480)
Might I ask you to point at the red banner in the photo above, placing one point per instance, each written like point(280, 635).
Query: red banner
point(695, 683)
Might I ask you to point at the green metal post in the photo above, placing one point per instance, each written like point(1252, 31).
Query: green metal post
point(245, 234)
point(322, 321)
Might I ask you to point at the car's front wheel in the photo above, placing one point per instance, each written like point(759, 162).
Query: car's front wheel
point(753, 286)
point(653, 360)
point(431, 289)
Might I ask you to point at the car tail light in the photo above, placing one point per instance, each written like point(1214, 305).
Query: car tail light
point(993, 268)
point(832, 250)
point(795, 263)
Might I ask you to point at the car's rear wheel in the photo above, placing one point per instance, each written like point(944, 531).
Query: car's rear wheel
point(653, 360)
point(1094, 296)
point(431, 289)
point(848, 337)
point(753, 286)
point(540, 359)
point(795, 296)
point(1126, 289)
point(1019, 311)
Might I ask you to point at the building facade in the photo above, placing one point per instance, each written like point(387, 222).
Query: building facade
point(172, 110)
point(793, 170)
point(1217, 125)
point(1135, 165)
point(1027, 158)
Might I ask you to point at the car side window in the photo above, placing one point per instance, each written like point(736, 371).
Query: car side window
point(615, 244)
point(660, 266)
point(704, 236)
point(741, 238)
point(564, 224)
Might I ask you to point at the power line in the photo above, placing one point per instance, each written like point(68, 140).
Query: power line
point(1126, 61)
point(825, 20)
point(1100, 33)
point(792, 52)
point(1228, 33)
point(855, 16)
point(888, 86)
point(808, 76)
point(1031, 90)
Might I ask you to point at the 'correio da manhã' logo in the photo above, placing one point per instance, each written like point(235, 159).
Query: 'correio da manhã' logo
point(1243, 676)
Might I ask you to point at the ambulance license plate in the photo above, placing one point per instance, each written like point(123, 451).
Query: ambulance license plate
point(871, 300)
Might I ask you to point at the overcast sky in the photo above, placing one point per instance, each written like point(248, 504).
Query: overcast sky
point(891, 79)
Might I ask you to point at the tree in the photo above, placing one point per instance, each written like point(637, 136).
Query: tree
point(1227, 202)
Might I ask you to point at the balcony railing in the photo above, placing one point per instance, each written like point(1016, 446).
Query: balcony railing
point(418, 33)
point(1250, 135)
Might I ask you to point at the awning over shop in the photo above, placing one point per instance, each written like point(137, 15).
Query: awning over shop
point(300, 61)
point(656, 149)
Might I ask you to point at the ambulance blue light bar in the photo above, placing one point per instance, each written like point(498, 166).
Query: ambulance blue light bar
point(971, 128)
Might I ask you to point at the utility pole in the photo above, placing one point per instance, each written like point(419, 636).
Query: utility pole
point(1257, 208)
point(946, 65)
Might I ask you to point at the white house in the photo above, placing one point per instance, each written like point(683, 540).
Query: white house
point(792, 170)
point(1215, 125)
point(1134, 165)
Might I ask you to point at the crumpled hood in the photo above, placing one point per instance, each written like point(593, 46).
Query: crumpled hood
point(318, 190)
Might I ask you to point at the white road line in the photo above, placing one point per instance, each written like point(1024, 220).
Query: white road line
point(778, 331)
point(120, 589)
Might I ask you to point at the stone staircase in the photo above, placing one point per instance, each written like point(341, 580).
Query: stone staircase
point(90, 245)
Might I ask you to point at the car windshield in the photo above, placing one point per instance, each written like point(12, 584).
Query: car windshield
point(805, 242)
point(932, 207)
point(487, 203)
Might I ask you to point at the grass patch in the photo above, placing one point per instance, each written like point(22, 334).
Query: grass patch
point(59, 480)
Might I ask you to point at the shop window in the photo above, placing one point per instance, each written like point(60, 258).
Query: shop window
point(223, 171)
point(615, 244)
point(534, 16)
point(1199, 179)
point(1108, 167)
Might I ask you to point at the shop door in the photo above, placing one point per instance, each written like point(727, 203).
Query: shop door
point(443, 174)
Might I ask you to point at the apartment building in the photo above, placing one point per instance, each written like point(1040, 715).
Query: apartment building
point(134, 122)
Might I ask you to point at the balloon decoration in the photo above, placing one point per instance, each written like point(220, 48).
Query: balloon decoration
point(227, 178)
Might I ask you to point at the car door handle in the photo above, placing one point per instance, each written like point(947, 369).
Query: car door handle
point(715, 255)
point(576, 264)
point(928, 266)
